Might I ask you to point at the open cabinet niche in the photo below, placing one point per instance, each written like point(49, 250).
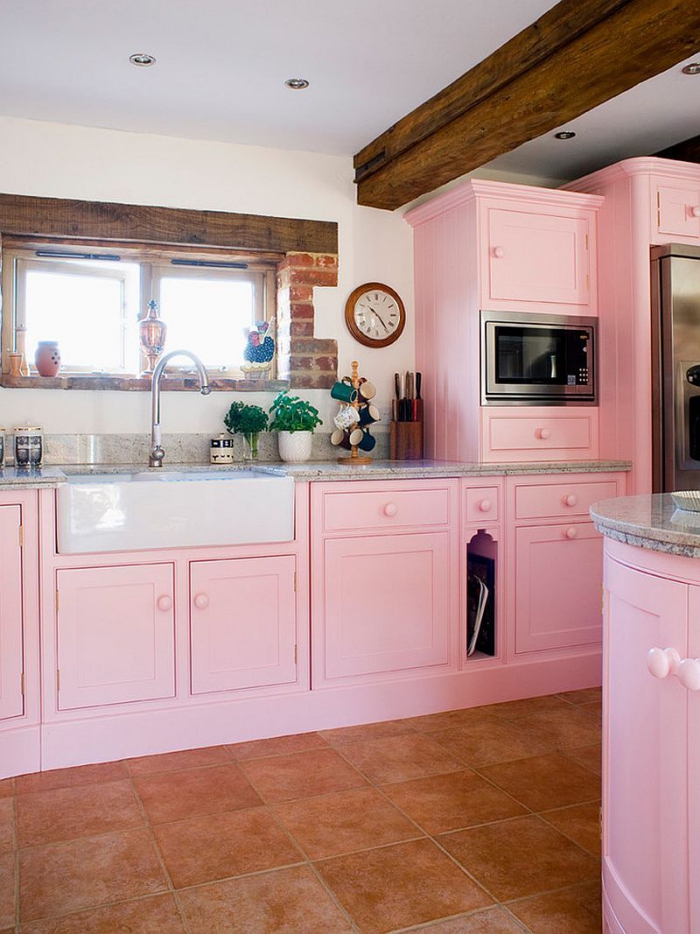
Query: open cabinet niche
point(481, 617)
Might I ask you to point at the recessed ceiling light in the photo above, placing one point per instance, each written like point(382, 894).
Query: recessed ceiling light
point(297, 84)
point(692, 69)
point(142, 59)
point(565, 134)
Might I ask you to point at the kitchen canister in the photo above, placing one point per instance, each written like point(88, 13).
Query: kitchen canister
point(47, 358)
point(221, 450)
point(29, 447)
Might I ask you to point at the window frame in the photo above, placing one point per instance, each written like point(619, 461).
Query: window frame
point(262, 267)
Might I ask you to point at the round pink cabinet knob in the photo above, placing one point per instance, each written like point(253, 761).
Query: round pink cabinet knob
point(485, 505)
point(543, 433)
point(498, 252)
point(571, 533)
point(689, 673)
point(201, 601)
point(662, 662)
point(571, 499)
point(390, 510)
point(695, 210)
point(164, 603)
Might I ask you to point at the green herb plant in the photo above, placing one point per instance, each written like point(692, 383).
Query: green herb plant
point(290, 413)
point(245, 419)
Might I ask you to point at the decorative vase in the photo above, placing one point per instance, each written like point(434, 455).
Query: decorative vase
point(152, 333)
point(251, 445)
point(47, 358)
point(295, 446)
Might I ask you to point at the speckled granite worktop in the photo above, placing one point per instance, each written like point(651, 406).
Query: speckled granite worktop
point(326, 470)
point(649, 521)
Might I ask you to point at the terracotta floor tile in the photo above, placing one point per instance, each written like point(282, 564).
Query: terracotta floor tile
point(521, 857)
point(581, 823)
point(398, 758)
point(576, 911)
point(155, 915)
point(7, 825)
point(64, 877)
point(67, 778)
point(317, 772)
point(491, 921)
point(221, 845)
point(586, 696)
point(432, 722)
point(366, 731)
point(489, 742)
point(7, 890)
point(529, 705)
point(7, 787)
point(287, 901)
point(561, 728)
point(594, 710)
point(170, 796)
point(277, 746)
point(453, 801)
point(177, 761)
point(81, 811)
point(590, 756)
point(344, 822)
point(401, 885)
point(545, 782)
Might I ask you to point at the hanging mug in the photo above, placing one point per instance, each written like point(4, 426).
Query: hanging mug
point(346, 418)
point(344, 391)
point(369, 414)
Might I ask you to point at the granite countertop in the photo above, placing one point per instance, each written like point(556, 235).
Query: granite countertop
point(326, 470)
point(649, 521)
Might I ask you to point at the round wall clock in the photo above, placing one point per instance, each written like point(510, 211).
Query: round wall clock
point(375, 315)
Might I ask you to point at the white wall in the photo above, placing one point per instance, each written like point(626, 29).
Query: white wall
point(61, 161)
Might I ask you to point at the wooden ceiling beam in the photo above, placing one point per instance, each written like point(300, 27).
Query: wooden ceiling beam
point(686, 151)
point(576, 56)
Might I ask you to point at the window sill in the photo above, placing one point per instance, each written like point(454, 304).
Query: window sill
point(141, 383)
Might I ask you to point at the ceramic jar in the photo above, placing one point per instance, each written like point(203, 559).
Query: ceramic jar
point(28, 447)
point(47, 358)
point(295, 446)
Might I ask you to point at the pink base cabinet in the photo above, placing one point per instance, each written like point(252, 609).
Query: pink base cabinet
point(651, 759)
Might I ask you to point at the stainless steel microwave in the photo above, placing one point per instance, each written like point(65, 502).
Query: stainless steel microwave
point(533, 359)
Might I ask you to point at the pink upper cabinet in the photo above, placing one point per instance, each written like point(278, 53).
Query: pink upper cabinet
point(676, 210)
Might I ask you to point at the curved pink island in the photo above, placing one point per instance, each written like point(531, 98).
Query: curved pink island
point(651, 729)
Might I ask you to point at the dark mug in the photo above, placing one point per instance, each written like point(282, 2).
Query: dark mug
point(368, 442)
point(369, 414)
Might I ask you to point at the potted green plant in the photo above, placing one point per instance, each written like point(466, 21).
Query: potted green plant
point(249, 421)
point(294, 420)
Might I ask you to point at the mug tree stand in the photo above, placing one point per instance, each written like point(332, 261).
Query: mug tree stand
point(356, 458)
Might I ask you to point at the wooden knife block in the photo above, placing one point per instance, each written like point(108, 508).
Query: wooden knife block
point(406, 441)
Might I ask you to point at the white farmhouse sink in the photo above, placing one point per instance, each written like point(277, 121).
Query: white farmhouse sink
point(122, 512)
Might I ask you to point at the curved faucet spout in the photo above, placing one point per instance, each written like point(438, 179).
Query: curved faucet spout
point(157, 453)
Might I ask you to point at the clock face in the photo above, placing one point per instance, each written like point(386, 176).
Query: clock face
point(375, 315)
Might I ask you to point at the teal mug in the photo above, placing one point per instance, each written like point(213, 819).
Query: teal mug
point(344, 391)
point(363, 439)
point(368, 414)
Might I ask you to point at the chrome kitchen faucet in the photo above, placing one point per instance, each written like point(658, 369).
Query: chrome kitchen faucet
point(157, 453)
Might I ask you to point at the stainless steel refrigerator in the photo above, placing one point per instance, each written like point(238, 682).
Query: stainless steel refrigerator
point(675, 286)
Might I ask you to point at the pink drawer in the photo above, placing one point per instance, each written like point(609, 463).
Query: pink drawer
point(512, 433)
point(481, 504)
point(386, 510)
point(561, 499)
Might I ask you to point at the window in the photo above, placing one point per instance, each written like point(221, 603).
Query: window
point(91, 303)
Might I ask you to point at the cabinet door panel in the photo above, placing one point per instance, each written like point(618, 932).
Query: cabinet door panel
point(11, 654)
point(116, 639)
point(538, 258)
point(645, 842)
point(694, 763)
point(559, 572)
point(678, 211)
point(386, 603)
point(243, 616)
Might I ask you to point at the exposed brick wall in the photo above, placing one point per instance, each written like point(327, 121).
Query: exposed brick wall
point(308, 362)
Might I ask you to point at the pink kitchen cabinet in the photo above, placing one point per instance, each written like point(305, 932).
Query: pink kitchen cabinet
point(115, 635)
point(677, 210)
point(11, 614)
point(651, 819)
point(243, 623)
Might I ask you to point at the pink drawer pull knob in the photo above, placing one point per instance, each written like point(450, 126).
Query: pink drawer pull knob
point(543, 433)
point(390, 509)
point(164, 603)
point(689, 673)
point(201, 601)
point(571, 499)
point(499, 252)
point(571, 533)
point(695, 210)
point(662, 662)
point(485, 505)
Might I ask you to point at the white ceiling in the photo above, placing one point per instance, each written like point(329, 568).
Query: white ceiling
point(221, 67)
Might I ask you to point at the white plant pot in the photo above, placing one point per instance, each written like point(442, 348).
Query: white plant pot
point(295, 446)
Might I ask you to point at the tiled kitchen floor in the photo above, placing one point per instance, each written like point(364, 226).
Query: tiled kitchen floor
point(487, 817)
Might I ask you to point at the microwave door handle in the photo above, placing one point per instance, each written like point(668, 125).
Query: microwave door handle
point(553, 366)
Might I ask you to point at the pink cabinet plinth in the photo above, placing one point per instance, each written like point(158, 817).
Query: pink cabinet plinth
point(116, 640)
point(11, 610)
point(651, 776)
point(243, 623)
